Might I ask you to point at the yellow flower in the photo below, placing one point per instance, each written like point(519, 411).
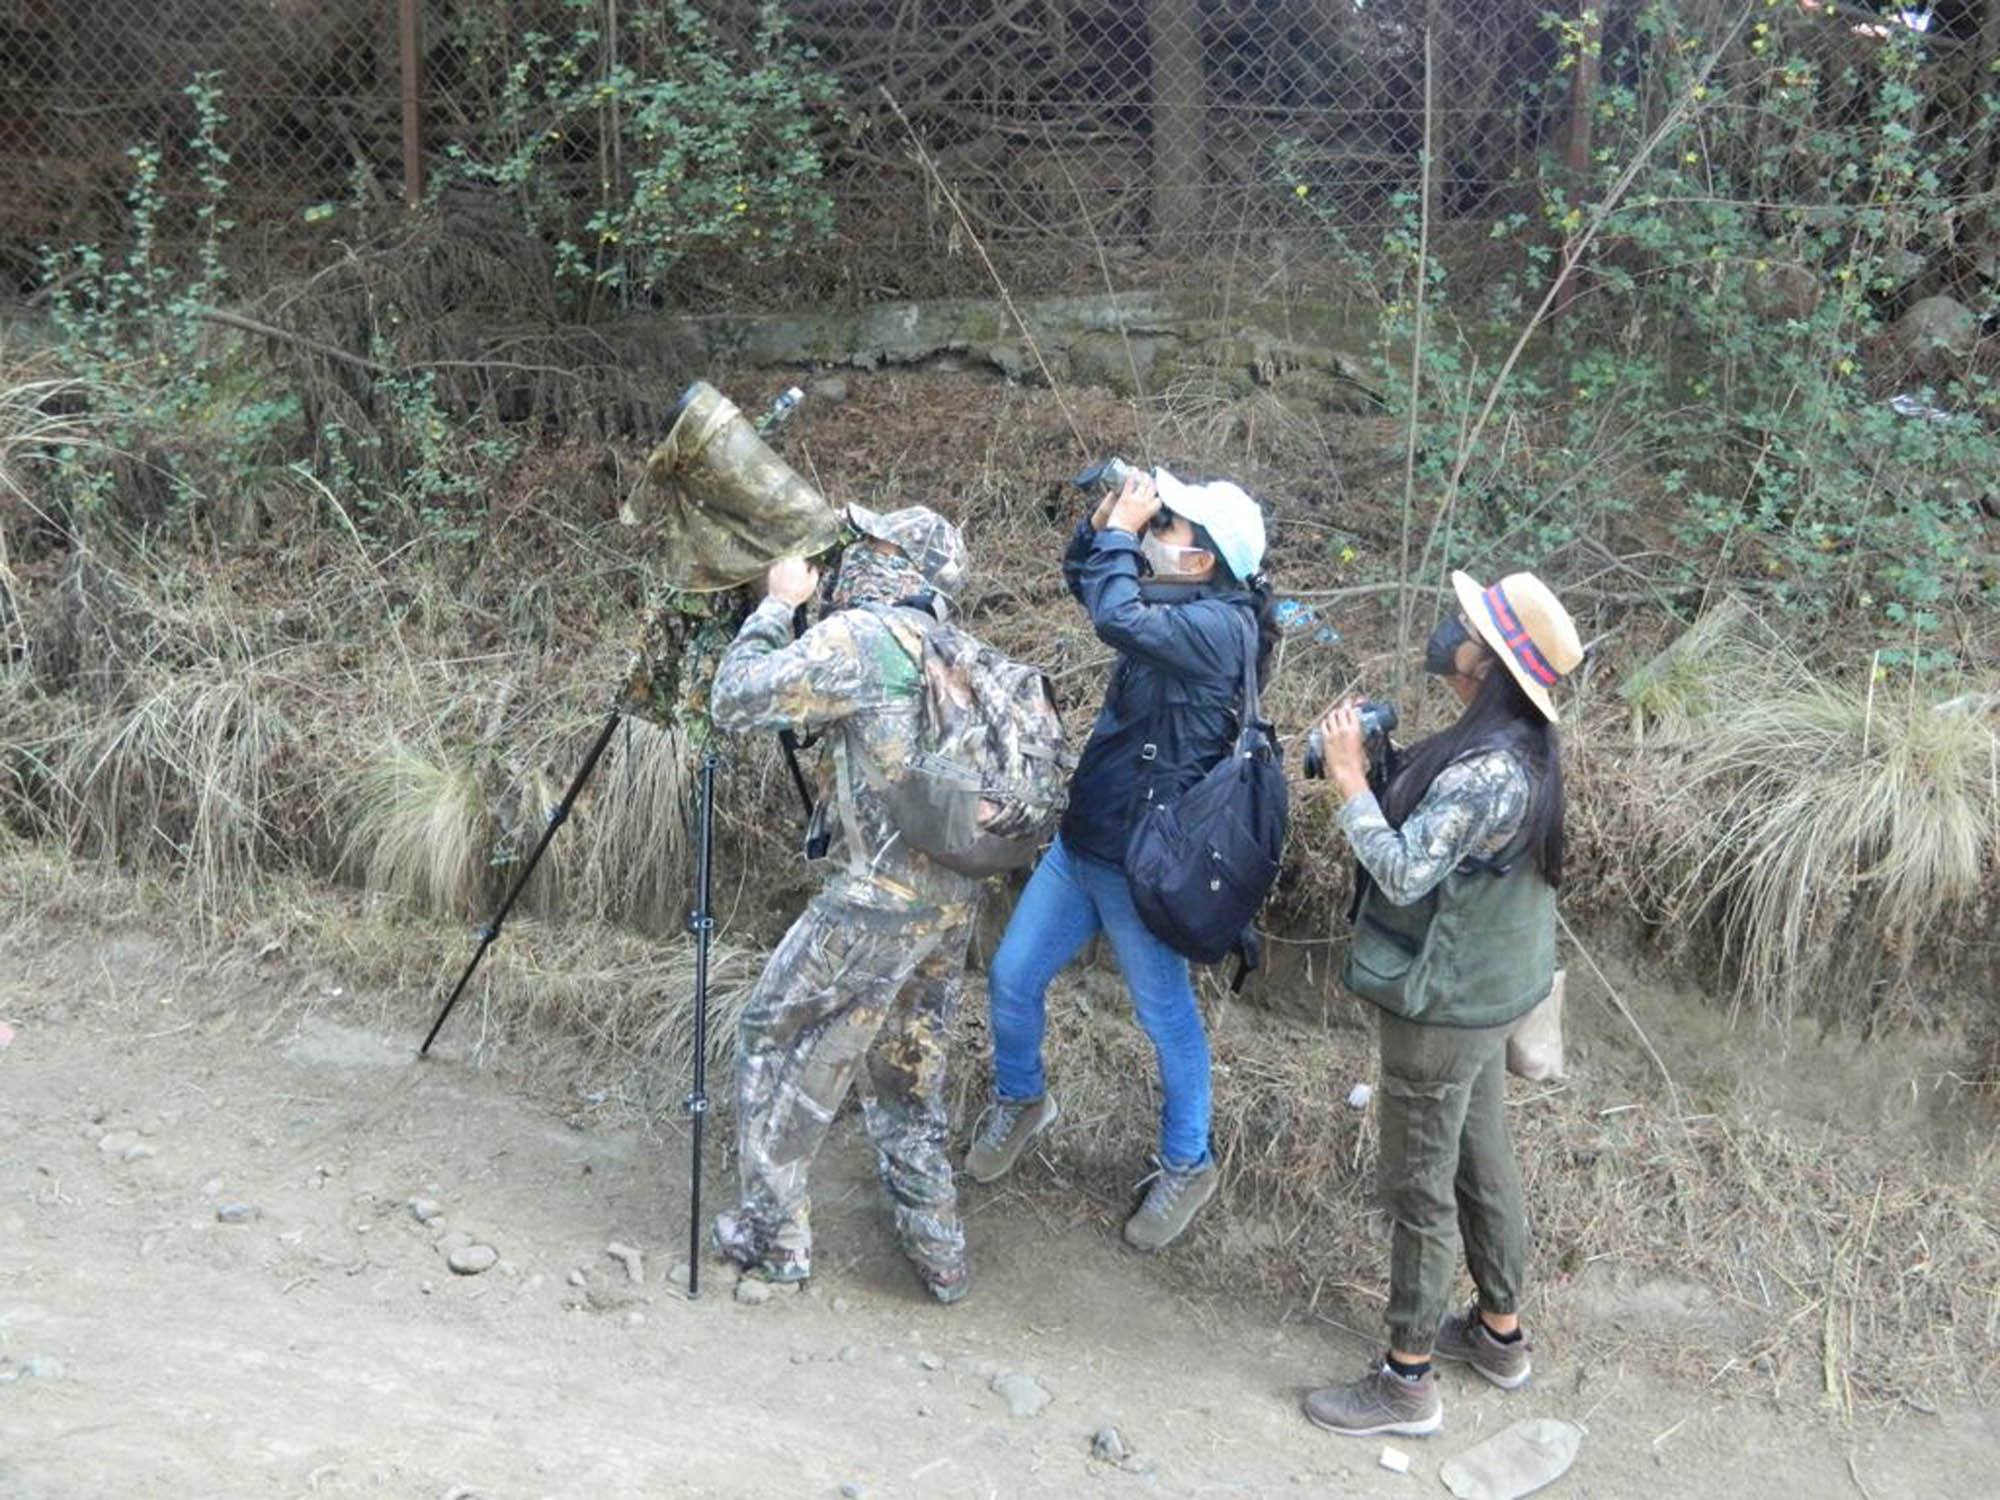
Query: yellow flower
point(1301, 190)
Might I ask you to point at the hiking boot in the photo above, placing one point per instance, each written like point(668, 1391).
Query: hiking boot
point(1465, 1337)
point(1004, 1132)
point(946, 1283)
point(1380, 1401)
point(1175, 1197)
point(735, 1241)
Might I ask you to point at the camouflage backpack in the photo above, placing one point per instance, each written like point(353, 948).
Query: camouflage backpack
point(989, 777)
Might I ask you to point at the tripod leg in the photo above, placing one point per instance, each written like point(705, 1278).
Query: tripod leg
point(702, 924)
point(492, 929)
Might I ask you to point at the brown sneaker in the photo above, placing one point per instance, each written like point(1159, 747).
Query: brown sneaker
point(1466, 1338)
point(1004, 1132)
point(1380, 1401)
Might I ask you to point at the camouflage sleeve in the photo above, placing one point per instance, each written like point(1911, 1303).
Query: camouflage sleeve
point(767, 680)
point(1474, 807)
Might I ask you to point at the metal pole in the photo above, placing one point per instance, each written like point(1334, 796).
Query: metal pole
point(410, 37)
point(702, 924)
point(492, 929)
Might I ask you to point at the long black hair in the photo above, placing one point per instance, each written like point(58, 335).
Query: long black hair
point(1500, 714)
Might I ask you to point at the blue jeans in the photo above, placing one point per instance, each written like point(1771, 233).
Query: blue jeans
point(1069, 899)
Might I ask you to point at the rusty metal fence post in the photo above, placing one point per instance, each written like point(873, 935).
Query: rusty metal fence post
point(409, 37)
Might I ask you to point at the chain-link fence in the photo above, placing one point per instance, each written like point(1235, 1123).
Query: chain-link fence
point(1061, 138)
point(311, 89)
point(1179, 125)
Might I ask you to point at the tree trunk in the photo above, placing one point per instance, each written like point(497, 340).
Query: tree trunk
point(1576, 144)
point(1179, 89)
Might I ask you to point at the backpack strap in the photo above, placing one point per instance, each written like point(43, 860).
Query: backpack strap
point(1251, 703)
point(1249, 942)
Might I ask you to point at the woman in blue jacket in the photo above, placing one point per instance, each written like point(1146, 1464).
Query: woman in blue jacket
point(1168, 572)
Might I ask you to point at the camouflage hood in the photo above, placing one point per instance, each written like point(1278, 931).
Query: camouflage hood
point(927, 539)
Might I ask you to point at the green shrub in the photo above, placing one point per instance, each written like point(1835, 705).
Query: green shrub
point(631, 154)
point(1717, 395)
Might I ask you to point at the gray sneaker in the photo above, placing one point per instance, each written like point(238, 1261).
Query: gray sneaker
point(1465, 1337)
point(1004, 1132)
point(1175, 1197)
point(1380, 1401)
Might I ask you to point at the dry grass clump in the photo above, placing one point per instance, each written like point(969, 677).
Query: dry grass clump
point(1227, 428)
point(1685, 692)
point(626, 852)
point(40, 415)
point(1833, 831)
point(189, 775)
point(422, 831)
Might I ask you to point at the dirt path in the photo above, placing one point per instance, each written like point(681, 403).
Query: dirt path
point(322, 1347)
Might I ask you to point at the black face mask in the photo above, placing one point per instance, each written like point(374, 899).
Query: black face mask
point(1441, 650)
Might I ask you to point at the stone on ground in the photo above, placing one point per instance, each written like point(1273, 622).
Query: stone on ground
point(1514, 1462)
point(471, 1260)
point(1025, 1396)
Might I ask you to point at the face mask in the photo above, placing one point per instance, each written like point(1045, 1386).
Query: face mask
point(1441, 650)
point(1167, 561)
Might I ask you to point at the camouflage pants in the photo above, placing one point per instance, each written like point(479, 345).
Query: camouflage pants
point(847, 983)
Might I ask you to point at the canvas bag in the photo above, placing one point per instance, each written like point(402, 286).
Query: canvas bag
point(1535, 1045)
point(989, 778)
point(1200, 866)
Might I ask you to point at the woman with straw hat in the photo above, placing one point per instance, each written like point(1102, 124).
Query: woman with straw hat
point(1454, 941)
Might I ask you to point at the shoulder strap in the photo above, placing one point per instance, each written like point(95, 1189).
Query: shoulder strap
point(1251, 704)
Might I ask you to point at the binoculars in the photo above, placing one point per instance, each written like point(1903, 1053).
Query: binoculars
point(1378, 721)
point(1109, 475)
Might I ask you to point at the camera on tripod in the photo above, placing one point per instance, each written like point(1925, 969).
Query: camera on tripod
point(1378, 721)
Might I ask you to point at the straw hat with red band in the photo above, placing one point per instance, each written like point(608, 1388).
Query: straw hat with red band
point(1528, 629)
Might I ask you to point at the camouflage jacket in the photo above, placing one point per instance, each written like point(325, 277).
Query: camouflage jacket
point(1475, 807)
point(853, 676)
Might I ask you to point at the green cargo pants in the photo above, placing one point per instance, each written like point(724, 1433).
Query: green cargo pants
point(1446, 1154)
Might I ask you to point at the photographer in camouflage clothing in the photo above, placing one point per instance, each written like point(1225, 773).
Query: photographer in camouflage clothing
point(871, 968)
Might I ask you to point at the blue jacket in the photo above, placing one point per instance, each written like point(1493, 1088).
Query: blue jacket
point(1178, 687)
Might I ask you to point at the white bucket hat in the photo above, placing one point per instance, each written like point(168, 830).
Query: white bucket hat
point(1231, 518)
point(1528, 629)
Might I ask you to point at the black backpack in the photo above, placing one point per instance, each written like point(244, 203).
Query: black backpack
point(1200, 866)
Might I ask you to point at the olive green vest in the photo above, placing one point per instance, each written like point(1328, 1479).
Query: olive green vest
point(1479, 950)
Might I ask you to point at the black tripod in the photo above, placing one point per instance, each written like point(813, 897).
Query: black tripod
point(701, 923)
point(491, 930)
